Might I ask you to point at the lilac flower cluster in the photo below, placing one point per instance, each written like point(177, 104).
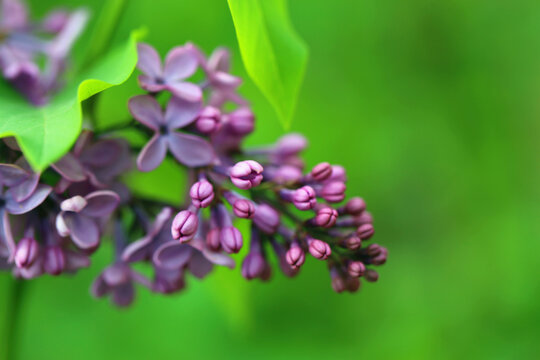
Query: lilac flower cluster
point(24, 45)
point(50, 223)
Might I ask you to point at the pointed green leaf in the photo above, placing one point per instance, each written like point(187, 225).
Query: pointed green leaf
point(46, 133)
point(274, 55)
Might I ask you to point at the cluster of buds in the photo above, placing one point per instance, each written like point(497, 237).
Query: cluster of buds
point(51, 222)
point(25, 45)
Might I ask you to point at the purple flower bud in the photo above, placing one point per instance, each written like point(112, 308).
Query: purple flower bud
point(290, 144)
point(266, 218)
point(208, 120)
point(356, 268)
point(321, 171)
point(287, 174)
point(244, 208)
point(202, 193)
point(54, 260)
point(338, 283)
point(304, 198)
point(295, 256)
point(333, 192)
point(365, 231)
point(26, 252)
point(355, 206)
point(371, 275)
point(326, 217)
point(246, 174)
point(338, 174)
point(374, 250)
point(364, 218)
point(75, 204)
point(231, 239)
point(212, 239)
point(184, 226)
point(353, 242)
point(319, 249)
point(241, 121)
point(253, 265)
point(352, 284)
point(381, 257)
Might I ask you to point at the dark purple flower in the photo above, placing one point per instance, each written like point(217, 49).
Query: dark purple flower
point(54, 260)
point(188, 149)
point(371, 275)
point(180, 63)
point(79, 217)
point(22, 182)
point(353, 242)
point(246, 174)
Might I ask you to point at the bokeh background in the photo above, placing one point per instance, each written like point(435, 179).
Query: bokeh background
point(433, 107)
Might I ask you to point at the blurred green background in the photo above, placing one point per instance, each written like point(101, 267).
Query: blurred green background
point(433, 107)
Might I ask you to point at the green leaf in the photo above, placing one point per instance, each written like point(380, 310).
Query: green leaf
point(274, 55)
point(46, 133)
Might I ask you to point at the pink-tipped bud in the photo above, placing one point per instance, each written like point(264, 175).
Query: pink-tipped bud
point(208, 120)
point(365, 231)
point(231, 239)
point(364, 218)
point(353, 242)
point(355, 206)
point(321, 171)
point(374, 250)
point(253, 266)
point(246, 174)
point(244, 208)
point(371, 275)
point(334, 191)
point(295, 256)
point(319, 249)
point(54, 260)
point(338, 174)
point(26, 252)
point(356, 268)
point(290, 144)
point(241, 121)
point(212, 239)
point(202, 193)
point(338, 282)
point(326, 217)
point(380, 259)
point(266, 218)
point(304, 198)
point(184, 226)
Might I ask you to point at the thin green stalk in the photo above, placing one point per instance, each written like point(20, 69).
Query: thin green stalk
point(13, 317)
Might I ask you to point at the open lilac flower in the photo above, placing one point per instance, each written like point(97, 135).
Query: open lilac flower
point(180, 63)
point(188, 149)
point(78, 218)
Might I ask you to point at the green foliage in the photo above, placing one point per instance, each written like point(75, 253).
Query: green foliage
point(46, 133)
point(274, 55)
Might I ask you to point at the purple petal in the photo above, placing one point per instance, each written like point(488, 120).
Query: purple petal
point(172, 255)
point(149, 61)
point(83, 231)
point(190, 150)
point(220, 60)
point(137, 250)
point(219, 258)
point(181, 113)
point(39, 195)
point(25, 189)
point(147, 111)
point(185, 90)
point(149, 84)
point(7, 244)
point(152, 154)
point(70, 168)
point(75, 261)
point(181, 62)
point(11, 175)
point(226, 80)
point(124, 294)
point(199, 265)
point(99, 287)
point(101, 203)
point(103, 152)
